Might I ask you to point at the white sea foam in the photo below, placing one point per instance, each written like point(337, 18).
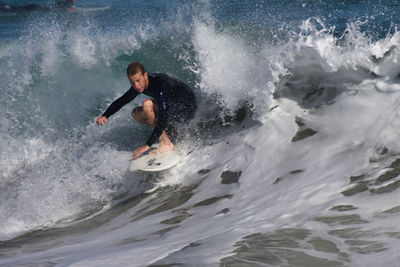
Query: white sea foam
point(331, 85)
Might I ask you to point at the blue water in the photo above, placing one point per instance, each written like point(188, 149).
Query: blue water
point(290, 161)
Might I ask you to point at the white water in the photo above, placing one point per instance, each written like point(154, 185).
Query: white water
point(353, 112)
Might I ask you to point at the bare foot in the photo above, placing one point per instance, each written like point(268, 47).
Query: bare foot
point(162, 148)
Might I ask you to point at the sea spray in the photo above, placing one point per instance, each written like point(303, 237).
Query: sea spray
point(307, 175)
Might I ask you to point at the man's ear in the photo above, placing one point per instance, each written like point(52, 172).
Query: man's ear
point(146, 78)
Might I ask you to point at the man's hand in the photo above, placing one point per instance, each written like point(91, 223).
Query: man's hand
point(139, 151)
point(102, 120)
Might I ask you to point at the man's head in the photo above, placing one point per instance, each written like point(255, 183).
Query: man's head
point(138, 77)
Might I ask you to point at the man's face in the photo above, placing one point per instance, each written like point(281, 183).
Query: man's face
point(139, 81)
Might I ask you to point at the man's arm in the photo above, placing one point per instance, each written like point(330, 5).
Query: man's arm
point(162, 117)
point(117, 105)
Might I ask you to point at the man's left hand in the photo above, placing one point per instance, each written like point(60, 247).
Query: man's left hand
point(139, 151)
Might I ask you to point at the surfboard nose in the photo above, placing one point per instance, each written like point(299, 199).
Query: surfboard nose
point(153, 163)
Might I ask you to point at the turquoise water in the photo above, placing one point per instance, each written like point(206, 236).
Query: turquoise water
point(290, 161)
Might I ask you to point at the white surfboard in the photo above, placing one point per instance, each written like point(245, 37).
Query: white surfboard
point(153, 163)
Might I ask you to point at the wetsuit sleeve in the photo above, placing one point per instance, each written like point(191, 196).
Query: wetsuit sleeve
point(161, 101)
point(120, 102)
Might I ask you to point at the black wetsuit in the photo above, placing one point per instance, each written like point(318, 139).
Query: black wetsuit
point(174, 99)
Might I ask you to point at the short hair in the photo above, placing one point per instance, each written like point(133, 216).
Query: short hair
point(133, 68)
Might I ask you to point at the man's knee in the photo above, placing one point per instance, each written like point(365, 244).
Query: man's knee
point(148, 105)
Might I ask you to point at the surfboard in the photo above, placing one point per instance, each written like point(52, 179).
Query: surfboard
point(153, 163)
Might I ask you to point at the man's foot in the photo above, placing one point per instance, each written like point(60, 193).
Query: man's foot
point(162, 148)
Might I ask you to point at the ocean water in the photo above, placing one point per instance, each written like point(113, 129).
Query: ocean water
point(292, 159)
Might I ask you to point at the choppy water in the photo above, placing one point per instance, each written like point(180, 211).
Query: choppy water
point(292, 159)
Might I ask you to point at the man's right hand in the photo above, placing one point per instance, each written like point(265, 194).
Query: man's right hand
point(102, 120)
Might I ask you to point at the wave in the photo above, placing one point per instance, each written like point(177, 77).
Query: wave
point(312, 100)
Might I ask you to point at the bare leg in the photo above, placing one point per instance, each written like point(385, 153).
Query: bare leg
point(146, 114)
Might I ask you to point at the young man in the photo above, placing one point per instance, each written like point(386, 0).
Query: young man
point(172, 101)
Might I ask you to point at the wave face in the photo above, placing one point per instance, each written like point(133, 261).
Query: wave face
point(292, 159)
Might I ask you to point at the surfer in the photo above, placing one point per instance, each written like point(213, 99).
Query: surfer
point(172, 101)
point(57, 5)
